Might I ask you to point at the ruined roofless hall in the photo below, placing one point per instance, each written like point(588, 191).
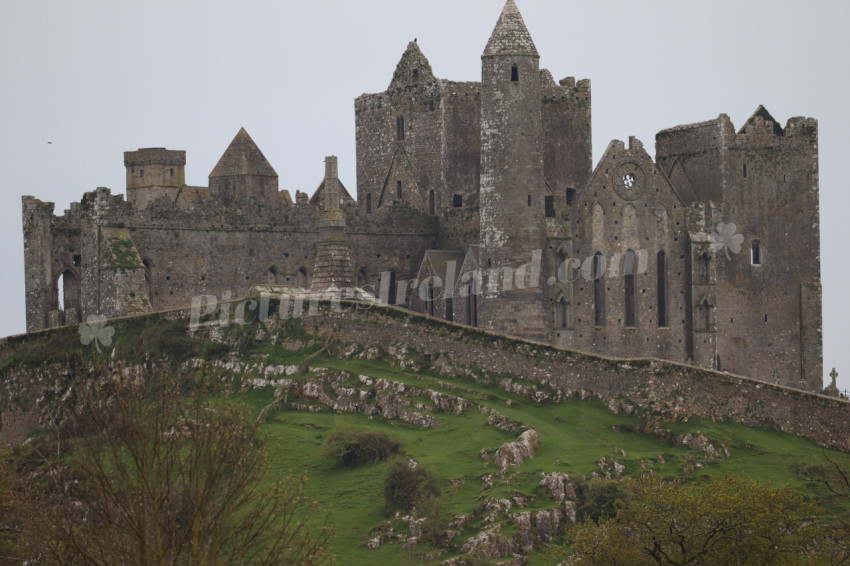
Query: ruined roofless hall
point(481, 203)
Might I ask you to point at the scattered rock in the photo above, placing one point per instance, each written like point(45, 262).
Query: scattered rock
point(606, 464)
point(525, 535)
point(513, 454)
point(489, 544)
point(488, 482)
point(501, 422)
point(372, 353)
point(495, 508)
point(556, 483)
point(547, 521)
point(702, 443)
point(459, 522)
point(379, 536)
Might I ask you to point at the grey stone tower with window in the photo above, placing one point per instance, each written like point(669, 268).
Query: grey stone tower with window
point(512, 181)
point(478, 202)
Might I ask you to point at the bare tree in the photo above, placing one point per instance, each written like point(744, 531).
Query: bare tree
point(156, 476)
point(834, 475)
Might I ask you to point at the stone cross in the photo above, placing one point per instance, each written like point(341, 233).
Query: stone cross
point(833, 374)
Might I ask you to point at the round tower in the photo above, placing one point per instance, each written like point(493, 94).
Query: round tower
point(512, 232)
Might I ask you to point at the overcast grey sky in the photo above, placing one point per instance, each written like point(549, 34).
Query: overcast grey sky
point(97, 78)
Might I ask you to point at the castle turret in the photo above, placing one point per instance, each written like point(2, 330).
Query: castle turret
point(333, 261)
point(153, 173)
point(243, 175)
point(512, 181)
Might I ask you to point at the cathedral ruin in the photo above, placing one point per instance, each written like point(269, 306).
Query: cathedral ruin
point(480, 203)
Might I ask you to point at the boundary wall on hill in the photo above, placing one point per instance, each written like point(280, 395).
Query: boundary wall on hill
point(654, 389)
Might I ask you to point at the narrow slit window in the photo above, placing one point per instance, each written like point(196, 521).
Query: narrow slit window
point(598, 289)
point(661, 286)
point(755, 252)
point(457, 201)
point(571, 196)
point(529, 200)
point(431, 203)
point(369, 203)
point(467, 319)
point(629, 265)
point(399, 124)
point(398, 189)
point(514, 74)
point(745, 170)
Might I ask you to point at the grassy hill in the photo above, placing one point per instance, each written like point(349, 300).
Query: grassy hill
point(573, 435)
point(306, 389)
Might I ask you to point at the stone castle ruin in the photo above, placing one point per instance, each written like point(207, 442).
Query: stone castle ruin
point(479, 203)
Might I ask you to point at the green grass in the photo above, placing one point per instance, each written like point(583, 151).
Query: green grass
point(573, 436)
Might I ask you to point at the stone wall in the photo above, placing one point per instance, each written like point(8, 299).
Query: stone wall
point(762, 184)
point(609, 218)
point(178, 254)
point(648, 387)
point(502, 167)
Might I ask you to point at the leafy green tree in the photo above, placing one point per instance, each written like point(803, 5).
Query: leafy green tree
point(599, 499)
point(716, 522)
point(155, 477)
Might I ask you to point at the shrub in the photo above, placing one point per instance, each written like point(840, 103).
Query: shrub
point(599, 499)
point(359, 448)
point(407, 487)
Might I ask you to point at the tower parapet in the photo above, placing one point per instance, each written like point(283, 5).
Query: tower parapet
point(153, 173)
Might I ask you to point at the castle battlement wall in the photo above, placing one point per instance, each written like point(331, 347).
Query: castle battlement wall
point(723, 223)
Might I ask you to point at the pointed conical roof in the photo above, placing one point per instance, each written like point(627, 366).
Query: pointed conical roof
point(510, 36)
point(243, 157)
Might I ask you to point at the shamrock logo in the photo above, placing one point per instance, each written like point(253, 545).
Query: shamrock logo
point(96, 330)
point(725, 238)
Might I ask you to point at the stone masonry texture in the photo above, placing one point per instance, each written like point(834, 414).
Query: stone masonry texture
point(479, 202)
